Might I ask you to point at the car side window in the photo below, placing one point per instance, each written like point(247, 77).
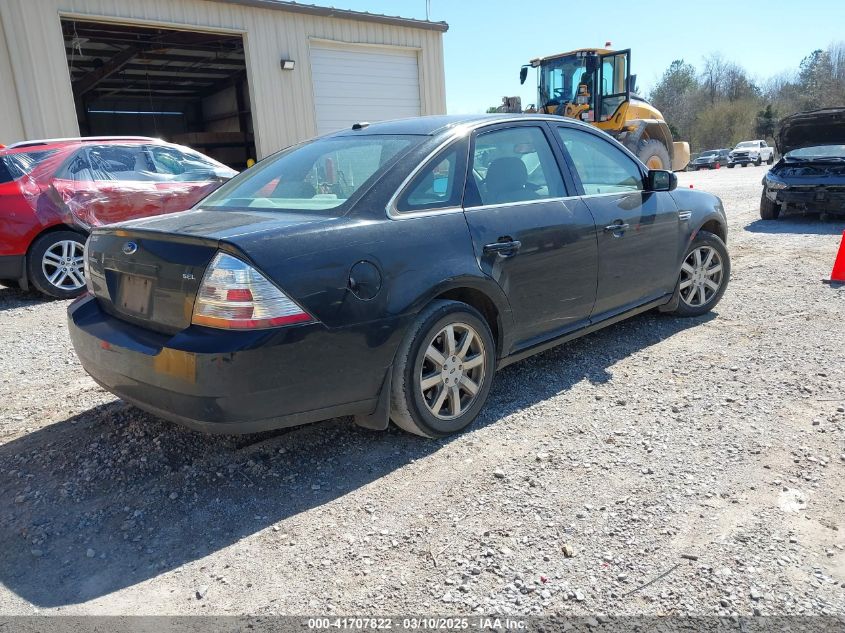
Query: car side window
point(110, 163)
point(5, 172)
point(602, 167)
point(438, 185)
point(514, 165)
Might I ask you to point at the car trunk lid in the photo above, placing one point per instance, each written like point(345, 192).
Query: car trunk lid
point(149, 271)
point(151, 280)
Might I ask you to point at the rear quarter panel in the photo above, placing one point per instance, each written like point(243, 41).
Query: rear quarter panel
point(417, 259)
point(22, 218)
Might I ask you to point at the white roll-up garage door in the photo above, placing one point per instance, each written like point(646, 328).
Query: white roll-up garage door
point(363, 83)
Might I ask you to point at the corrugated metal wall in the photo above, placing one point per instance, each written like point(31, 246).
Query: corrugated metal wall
point(11, 125)
point(282, 101)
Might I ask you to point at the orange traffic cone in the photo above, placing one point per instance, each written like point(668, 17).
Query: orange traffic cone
point(837, 276)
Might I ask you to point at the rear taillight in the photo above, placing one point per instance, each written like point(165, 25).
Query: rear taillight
point(233, 295)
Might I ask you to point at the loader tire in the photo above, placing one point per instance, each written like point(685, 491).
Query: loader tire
point(654, 155)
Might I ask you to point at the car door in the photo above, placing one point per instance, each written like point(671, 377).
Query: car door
point(638, 231)
point(536, 241)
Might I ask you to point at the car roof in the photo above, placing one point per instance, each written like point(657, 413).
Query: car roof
point(436, 124)
point(57, 143)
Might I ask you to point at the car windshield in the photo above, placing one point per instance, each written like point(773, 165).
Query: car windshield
point(747, 144)
point(711, 152)
point(818, 151)
point(318, 176)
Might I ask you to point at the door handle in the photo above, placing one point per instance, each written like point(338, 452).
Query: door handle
point(505, 248)
point(616, 228)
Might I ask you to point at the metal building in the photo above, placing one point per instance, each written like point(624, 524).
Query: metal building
point(237, 79)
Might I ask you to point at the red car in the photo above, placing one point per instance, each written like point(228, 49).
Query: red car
point(53, 192)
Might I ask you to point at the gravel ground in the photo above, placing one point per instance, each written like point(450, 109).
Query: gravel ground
point(707, 454)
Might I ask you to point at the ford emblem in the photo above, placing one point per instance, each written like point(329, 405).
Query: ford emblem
point(130, 248)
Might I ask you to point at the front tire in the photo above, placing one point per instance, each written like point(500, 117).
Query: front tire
point(771, 159)
point(759, 161)
point(730, 165)
point(54, 264)
point(768, 210)
point(443, 370)
point(704, 275)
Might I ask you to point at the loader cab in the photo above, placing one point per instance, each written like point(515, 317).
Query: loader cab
point(587, 84)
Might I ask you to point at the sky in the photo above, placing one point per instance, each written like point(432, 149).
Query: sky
point(488, 40)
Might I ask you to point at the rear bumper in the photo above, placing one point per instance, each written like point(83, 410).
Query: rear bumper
point(11, 266)
point(832, 202)
point(231, 382)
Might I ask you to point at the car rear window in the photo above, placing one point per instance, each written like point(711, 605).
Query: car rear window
point(318, 176)
point(17, 165)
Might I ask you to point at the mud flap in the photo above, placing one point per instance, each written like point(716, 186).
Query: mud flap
point(23, 282)
point(674, 301)
point(379, 419)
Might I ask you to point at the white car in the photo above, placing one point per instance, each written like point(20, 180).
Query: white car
point(756, 152)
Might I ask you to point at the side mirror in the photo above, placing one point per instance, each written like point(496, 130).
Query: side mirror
point(632, 84)
point(661, 180)
point(523, 74)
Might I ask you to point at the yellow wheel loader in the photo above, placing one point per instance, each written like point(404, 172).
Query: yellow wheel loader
point(595, 85)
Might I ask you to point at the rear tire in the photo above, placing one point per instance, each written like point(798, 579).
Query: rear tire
point(54, 264)
point(768, 210)
point(704, 275)
point(440, 385)
point(656, 152)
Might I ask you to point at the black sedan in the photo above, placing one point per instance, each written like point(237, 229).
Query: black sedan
point(710, 159)
point(810, 177)
point(386, 272)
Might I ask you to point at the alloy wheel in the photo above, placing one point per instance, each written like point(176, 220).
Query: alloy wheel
point(62, 265)
point(701, 276)
point(452, 371)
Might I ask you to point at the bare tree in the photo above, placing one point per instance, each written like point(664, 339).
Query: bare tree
point(713, 76)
